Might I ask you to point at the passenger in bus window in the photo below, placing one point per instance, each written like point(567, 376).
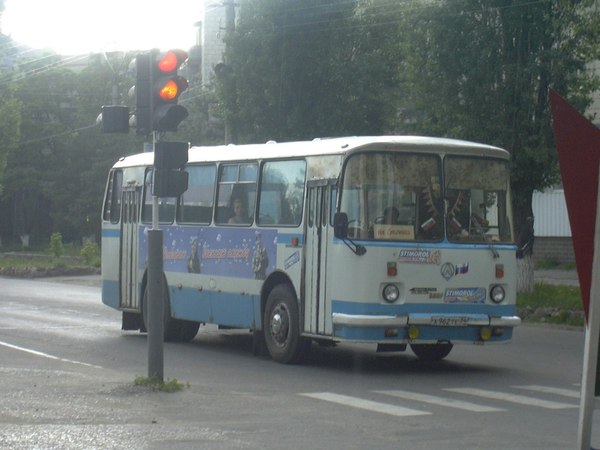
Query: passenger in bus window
point(240, 216)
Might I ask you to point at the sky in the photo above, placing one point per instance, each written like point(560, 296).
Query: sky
point(73, 27)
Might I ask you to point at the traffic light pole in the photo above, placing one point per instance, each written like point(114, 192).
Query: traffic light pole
point(155, 294)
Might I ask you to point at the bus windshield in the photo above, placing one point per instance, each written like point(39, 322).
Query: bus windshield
point(476, 191)
point(400, 197)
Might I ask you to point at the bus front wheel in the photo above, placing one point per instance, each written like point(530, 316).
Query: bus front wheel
point(431, 352)
point(282, 327)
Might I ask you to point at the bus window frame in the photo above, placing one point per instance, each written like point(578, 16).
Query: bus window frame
point(180, 201)
point(259, 192)
point(112, 198)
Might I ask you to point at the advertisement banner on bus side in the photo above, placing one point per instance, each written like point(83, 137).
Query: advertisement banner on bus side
point(234, 252)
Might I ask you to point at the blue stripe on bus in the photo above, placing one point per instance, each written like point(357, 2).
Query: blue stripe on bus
point(224, 308)
point(345, 307)
point(229, 309)
point(110, 293)
point(111, 232)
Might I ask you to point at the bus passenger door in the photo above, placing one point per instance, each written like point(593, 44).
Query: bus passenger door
point(130, 213)
point(315, 255)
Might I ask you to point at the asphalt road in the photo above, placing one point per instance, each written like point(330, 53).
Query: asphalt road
point(67, 382)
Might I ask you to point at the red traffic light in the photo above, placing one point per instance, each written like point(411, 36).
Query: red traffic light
point(171, 60)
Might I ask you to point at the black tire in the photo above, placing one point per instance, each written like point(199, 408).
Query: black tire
point(187, 330)
point(431, 352)
point(281, 326)
point(175, 330)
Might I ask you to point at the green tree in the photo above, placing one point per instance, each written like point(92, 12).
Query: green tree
point(10, 107)
point(304, 69)
point(55, 178)
point(89, 154)
point(10, 118)
point(204, 125)
point(481, 69)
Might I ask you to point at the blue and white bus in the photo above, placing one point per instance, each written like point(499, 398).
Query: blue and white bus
point(393, 240)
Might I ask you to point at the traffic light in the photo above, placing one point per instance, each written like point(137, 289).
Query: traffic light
point(157, 89)
point(168, 86)
point(169, 178)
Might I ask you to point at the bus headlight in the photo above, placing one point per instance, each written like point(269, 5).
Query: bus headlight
point(391, 293)
point(497, 293)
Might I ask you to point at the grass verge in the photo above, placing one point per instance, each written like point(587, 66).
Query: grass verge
point(40, 261)
point(554, 304)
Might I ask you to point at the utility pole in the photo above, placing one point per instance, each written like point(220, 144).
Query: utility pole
point(155, 293)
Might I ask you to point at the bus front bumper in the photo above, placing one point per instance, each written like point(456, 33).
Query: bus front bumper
point(444, 320)
point(424, 327)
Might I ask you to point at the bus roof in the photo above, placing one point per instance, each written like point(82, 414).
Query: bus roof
point(328, 146)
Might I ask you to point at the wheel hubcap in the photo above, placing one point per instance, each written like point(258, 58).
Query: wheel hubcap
point(280, 325)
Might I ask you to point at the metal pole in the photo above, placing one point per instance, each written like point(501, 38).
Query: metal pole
point(592, 337)
point(155, 294)
point(155, 304)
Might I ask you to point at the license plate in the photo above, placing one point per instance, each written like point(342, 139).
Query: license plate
point(450, 321)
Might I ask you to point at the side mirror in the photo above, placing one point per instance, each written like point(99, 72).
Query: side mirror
point(340, 225)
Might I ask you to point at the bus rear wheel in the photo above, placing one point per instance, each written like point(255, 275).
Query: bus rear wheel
point(282, 327)
point(175, 330)
point(431, 352)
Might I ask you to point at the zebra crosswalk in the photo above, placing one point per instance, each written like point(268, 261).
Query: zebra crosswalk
point(512, 398)
point(366, 404)
point(469, 399)
point(440, 401)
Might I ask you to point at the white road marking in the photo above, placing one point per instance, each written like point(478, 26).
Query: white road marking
point(440, 401)
point(551, 390)
point(46, 355)
point(507, 397)
point(368, 405)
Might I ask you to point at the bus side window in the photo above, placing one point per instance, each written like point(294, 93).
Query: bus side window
point(112, 202)
point(237, 184)
point(197, 202)
point(281, 193)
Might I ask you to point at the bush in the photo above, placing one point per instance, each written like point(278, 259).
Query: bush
point(91, 254)
point(56, 245)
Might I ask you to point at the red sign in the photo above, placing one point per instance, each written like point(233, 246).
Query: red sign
point(578, 145)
